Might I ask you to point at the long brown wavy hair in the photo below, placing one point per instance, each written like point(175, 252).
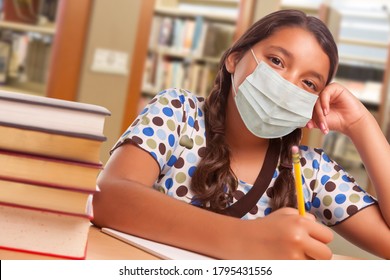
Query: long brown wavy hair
point(214, 182)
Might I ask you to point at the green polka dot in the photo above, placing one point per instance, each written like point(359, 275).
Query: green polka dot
point(199, 140)
point(354, 198)
point(336, 176)
point(151, 143)
point(161, 189)
point(164, 101)
point(145, 120)
point(327, 200)
point(171, 125)
point(308, 173)
point(168, 156)
point(180, 177)
point(184, 128)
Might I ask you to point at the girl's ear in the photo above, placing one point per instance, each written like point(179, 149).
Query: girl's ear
point(230, 62)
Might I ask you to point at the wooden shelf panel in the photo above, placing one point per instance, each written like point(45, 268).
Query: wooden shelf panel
point(49, 29)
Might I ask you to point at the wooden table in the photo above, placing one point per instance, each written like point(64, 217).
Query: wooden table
point(103, 247)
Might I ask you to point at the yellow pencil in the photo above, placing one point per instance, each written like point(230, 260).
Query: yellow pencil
point(298, 180)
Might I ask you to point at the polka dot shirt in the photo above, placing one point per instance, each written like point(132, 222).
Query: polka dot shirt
point(172, 129)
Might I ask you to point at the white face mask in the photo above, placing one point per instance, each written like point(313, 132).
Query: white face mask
point(269, 105)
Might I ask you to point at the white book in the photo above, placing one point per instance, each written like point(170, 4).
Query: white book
point(160, 250)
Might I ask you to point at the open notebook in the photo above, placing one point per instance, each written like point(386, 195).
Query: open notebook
point(160, 250)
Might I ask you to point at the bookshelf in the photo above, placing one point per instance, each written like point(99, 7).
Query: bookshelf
point(45, 53)
point(186, 41)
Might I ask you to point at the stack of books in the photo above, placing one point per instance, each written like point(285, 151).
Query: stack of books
point(49, 162)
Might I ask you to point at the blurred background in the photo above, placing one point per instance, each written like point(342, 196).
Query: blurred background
point(120, 53)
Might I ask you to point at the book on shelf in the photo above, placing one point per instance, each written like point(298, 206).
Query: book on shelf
point(50, 114)
point(160, 250)
point(43, 232)
point(57, 200)
point(49, 171)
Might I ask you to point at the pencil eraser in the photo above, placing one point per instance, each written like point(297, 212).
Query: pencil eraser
point(294, 149)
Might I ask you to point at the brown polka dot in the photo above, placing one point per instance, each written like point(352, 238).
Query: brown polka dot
point(135, 122)
point(318, 151)
point(254, 210)
point(303, 161)
point(337, 167)
point(238, 195)
point(328, 214)
point(153, 100)
point(196, 125)
point(181, 191)
point(356, 188)
point(137, 140)
point(162, 148)
point(313, 184)
point(202, 152)
point(178, 130)
point(176, 103)
point(192, 104)
point(330, 186)
point(352, 209)
point(184, 118)
point(179, 163)
point(200, 99)
point(158, 121)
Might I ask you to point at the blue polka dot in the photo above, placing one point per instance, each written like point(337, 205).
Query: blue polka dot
point(340, 198)
point(338, 212)
point(303, 147)
point(144, 110)
point(191, 171)
point(191, 158)
point(275, 174)
point(172, 160)
point(148, 131)
point(346, 178)
point(171, 140)
point(267, 211)
point(200, 113)
point(179, 115)
point(161, 134)
point(368, 199)
point(191, 121)
point(324, 179)
point(303, 179)
point(316, 164)
point(195, 202)
point(155, 110)
point(316, 202)
point(325, 157)
point(169, 183)
point(135, 130)
point(182, 99)
point(307, 206)
point(327, 168)
point(153, 155)
point(344, 187)
point(168, 112)
point(126, 133)
point(263, 201)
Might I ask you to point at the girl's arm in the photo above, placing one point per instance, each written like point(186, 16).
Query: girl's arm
point(127, 203)
point(339, 110)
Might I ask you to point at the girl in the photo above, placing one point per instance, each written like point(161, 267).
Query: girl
point(215, 176)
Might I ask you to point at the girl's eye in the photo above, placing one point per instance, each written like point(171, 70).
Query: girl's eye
point(276, 61)
point(310, 84)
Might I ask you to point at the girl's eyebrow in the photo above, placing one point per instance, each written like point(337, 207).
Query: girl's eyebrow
point(290, 55)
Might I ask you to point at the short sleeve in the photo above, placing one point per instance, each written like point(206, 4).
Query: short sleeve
point(158, 127)
point(334, 194)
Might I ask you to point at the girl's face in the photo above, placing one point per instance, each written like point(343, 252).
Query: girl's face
point(293, 52)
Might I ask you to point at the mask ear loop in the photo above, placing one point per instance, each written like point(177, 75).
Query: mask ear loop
point(254, 56)
point(234, 87)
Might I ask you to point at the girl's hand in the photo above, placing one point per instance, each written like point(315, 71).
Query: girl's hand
point(285, 235)
point(337, 109)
